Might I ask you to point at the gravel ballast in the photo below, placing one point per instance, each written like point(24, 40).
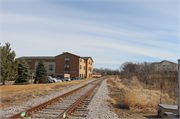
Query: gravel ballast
point(11, 110)
point(98, 107)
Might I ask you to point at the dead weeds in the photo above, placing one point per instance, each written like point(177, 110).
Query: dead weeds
point(128, 99)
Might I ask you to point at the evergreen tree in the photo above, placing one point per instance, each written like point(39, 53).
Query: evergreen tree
point(23, 72)
point(8, 64)
point(41, 72)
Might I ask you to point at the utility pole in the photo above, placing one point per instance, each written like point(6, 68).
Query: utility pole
point(178, 87)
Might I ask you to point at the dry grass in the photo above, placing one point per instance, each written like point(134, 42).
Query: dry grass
point(136, 97)
point(111, 100)
point(11, 94)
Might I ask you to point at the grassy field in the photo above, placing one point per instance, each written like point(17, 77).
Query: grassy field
point(17, 94)
point(129, 98)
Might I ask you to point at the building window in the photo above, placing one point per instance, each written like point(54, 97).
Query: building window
point(84, 61)
point(66, 67)
point(158, 65)
point(59, 61)
point(66, 60)
point(89, 62)
point(164, 65)
point(44, 60)
point(36, 66)
point(90, 69)
point(30, 61)
point(80, 75)
point(80, 59)
point(37, 60)
point(50, 60)
point(30, 67)
point(66, 54)
point(51, 67)
point(80, 66)
point(84, 67)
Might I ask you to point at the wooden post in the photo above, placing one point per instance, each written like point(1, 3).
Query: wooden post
point(42, 80)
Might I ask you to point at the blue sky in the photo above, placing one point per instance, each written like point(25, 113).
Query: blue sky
point(110, 31)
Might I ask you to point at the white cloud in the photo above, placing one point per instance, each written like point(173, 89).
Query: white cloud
point(17, 18)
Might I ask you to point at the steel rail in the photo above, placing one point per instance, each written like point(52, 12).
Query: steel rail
point(70, 109)
point(40, 106)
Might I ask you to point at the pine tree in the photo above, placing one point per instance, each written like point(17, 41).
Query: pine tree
point(23, 72)
point(41, 73)
point(8, 64)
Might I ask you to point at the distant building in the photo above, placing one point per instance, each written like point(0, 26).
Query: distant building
point(165, 65)
point(65, 63)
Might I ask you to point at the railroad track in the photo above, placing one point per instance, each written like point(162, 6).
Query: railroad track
point(72, 104)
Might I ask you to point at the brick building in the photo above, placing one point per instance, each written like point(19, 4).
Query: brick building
point(65, 63)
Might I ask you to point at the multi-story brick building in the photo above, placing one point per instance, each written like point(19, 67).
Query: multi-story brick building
point(165, 65)
point(65, 63)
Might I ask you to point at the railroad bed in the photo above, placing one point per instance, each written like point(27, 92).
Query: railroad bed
point(72, 104)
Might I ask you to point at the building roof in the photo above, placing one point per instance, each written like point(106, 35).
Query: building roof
point(37, 57)
point(51, 57)
point(163, 61)
point(86, 58)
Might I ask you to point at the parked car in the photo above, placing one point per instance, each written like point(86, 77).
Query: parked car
point(59, 80)
point(67, 79)
point(75, 78)
point(54, 79)
point(50, 80)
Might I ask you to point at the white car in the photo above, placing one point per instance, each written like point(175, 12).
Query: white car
point(67, 79)
point(59, 80)
point(54, 79)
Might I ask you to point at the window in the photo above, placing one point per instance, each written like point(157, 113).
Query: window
point(50, 60)
point(30, 67)
point(44, 60)
point(84, 61)
point(51, 67)
point(30, 61)
point(80, 66)
point(66, 60)
point(80, 59)
point(37, 60)
point(80, 75)
point(66, 67)
point(59, 61)
point(158, 65)
point(84, 67)
point(90, 69)
point(164, 65)
point(89, 62)
point(66, 54)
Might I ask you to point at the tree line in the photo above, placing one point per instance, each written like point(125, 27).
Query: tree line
point(18, 70)
point(107, 70)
